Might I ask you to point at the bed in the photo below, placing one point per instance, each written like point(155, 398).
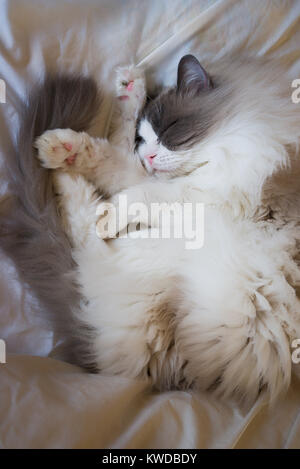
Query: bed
point(48, 403)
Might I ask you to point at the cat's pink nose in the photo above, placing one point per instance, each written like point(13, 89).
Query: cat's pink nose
point(150, 158)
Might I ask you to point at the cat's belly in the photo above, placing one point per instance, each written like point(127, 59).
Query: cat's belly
point(184, 317)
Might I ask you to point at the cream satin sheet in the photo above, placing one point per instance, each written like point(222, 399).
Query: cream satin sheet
point(45, 403)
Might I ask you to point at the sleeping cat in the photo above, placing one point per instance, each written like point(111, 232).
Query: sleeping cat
point(219, 318)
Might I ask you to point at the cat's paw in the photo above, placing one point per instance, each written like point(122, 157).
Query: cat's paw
point(131, 87)
point(59, 148)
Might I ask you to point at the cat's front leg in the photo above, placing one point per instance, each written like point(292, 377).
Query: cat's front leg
point(107, 166)
point(71, 151)
point(130, 89)
point(131, 97)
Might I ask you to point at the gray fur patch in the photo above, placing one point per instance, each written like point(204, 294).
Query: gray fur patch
point(30, 230)
point(182, 116)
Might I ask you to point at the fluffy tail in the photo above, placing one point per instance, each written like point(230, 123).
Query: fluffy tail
point(30, 230)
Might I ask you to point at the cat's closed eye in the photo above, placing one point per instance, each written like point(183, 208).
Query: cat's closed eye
point(138, 140)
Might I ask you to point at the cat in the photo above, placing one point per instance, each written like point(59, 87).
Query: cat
point(220, 318)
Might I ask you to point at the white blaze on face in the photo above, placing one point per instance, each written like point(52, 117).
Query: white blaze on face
point(149, 148)
point(154, 155)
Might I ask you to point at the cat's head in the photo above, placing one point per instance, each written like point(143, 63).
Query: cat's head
point(175, 122)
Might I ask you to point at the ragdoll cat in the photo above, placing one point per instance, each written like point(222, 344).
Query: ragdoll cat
point(219, 318)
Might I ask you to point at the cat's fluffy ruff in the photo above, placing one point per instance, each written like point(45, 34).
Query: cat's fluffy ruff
point(222, 317)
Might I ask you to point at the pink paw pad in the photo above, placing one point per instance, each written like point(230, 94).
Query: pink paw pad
point(71, 159)
point(67, 146)
point(129, 87)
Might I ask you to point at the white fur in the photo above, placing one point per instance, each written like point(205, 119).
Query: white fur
point(222, 317)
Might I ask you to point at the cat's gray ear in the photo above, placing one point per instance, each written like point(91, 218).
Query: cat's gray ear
point(191, 76)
